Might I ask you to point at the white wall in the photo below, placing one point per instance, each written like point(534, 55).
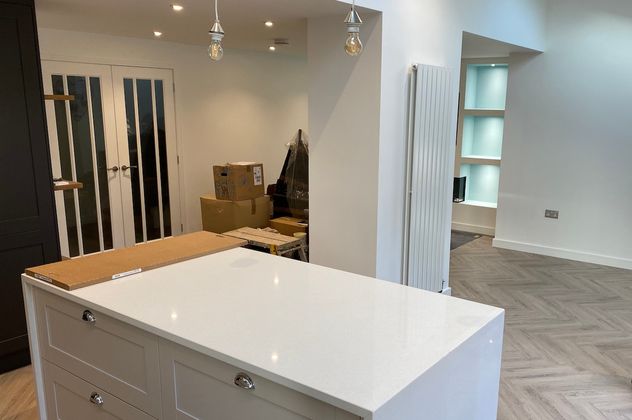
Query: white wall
point(344, 118)
point(246, 107)
point(366, 143)
point(430, 32)
point(568, 138)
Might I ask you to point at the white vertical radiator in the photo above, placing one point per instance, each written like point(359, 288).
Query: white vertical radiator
point(429, 179)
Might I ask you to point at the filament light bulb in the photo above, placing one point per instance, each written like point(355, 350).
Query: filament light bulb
point(215, 50)
point(353, 45)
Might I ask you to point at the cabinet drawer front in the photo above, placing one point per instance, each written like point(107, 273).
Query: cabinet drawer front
point(198, 387)
point(117, 357)
point(69, 398)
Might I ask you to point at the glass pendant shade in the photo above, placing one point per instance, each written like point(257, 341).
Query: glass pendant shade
point(215, 50)
point(353, 45)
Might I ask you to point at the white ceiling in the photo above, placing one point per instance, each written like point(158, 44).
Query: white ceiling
point(242, 19)
point(475, 46)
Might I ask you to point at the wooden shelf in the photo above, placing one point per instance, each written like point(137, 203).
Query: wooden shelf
point(59, 97)
point(480, 160)
point(484, 112)
point(67, 185)
point(478, 204)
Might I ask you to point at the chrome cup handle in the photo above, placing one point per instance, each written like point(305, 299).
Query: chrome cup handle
point(244, 381)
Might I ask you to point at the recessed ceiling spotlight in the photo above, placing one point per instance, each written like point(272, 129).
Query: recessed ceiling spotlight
point(272, 48)
point(177, 7)
point(157, 34)
point(269, 23)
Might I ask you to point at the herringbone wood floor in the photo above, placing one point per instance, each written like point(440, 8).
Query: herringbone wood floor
point(568, 336)
point(568, 331)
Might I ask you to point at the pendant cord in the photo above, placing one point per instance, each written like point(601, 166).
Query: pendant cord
point(353, 5)
point(216, 14)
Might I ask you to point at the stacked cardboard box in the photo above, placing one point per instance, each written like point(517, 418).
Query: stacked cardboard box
point(238, 181)
point(221, 216)
point(239, 199)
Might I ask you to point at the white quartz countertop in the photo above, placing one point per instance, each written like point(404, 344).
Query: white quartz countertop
point(349, 340)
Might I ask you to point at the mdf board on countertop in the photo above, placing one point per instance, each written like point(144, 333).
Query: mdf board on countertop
point(85, 271)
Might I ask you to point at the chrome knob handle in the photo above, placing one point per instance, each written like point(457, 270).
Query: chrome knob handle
point(244, 381)
point(96, 399)
point(125, 167)
point(114, 169)
point(89, 317)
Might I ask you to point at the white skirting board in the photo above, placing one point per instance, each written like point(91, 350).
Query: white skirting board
point(568, 254)
point(481, 230)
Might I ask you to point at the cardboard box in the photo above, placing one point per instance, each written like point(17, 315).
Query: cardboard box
point(221, 216)
point(238, 181)
point(289, 225)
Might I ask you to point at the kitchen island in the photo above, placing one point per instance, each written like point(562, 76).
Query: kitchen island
point(246, 335)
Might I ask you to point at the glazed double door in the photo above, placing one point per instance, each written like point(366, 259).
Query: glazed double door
point(116, 136)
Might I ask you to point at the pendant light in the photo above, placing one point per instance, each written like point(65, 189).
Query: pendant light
point(353, 45)
point(215, 50)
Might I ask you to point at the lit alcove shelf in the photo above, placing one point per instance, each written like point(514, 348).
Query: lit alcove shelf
point(479, 142)
point(486, 85)
point(482, 182)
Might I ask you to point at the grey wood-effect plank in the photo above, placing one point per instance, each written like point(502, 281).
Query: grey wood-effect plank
point(568, 333)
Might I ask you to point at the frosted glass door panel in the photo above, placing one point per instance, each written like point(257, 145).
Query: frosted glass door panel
point(482, 184)
point(482, 137)
point(486, 86)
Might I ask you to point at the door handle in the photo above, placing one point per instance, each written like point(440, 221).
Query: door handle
point(114, 169)
point(125, 167)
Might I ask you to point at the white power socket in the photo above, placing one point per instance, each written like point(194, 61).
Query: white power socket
point(552, 214)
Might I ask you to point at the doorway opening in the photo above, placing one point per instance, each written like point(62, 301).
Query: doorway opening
point(244, 108)
point(484, 83)
point(114, 137)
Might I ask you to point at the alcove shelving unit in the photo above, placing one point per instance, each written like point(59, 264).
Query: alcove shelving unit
point(483, 96)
